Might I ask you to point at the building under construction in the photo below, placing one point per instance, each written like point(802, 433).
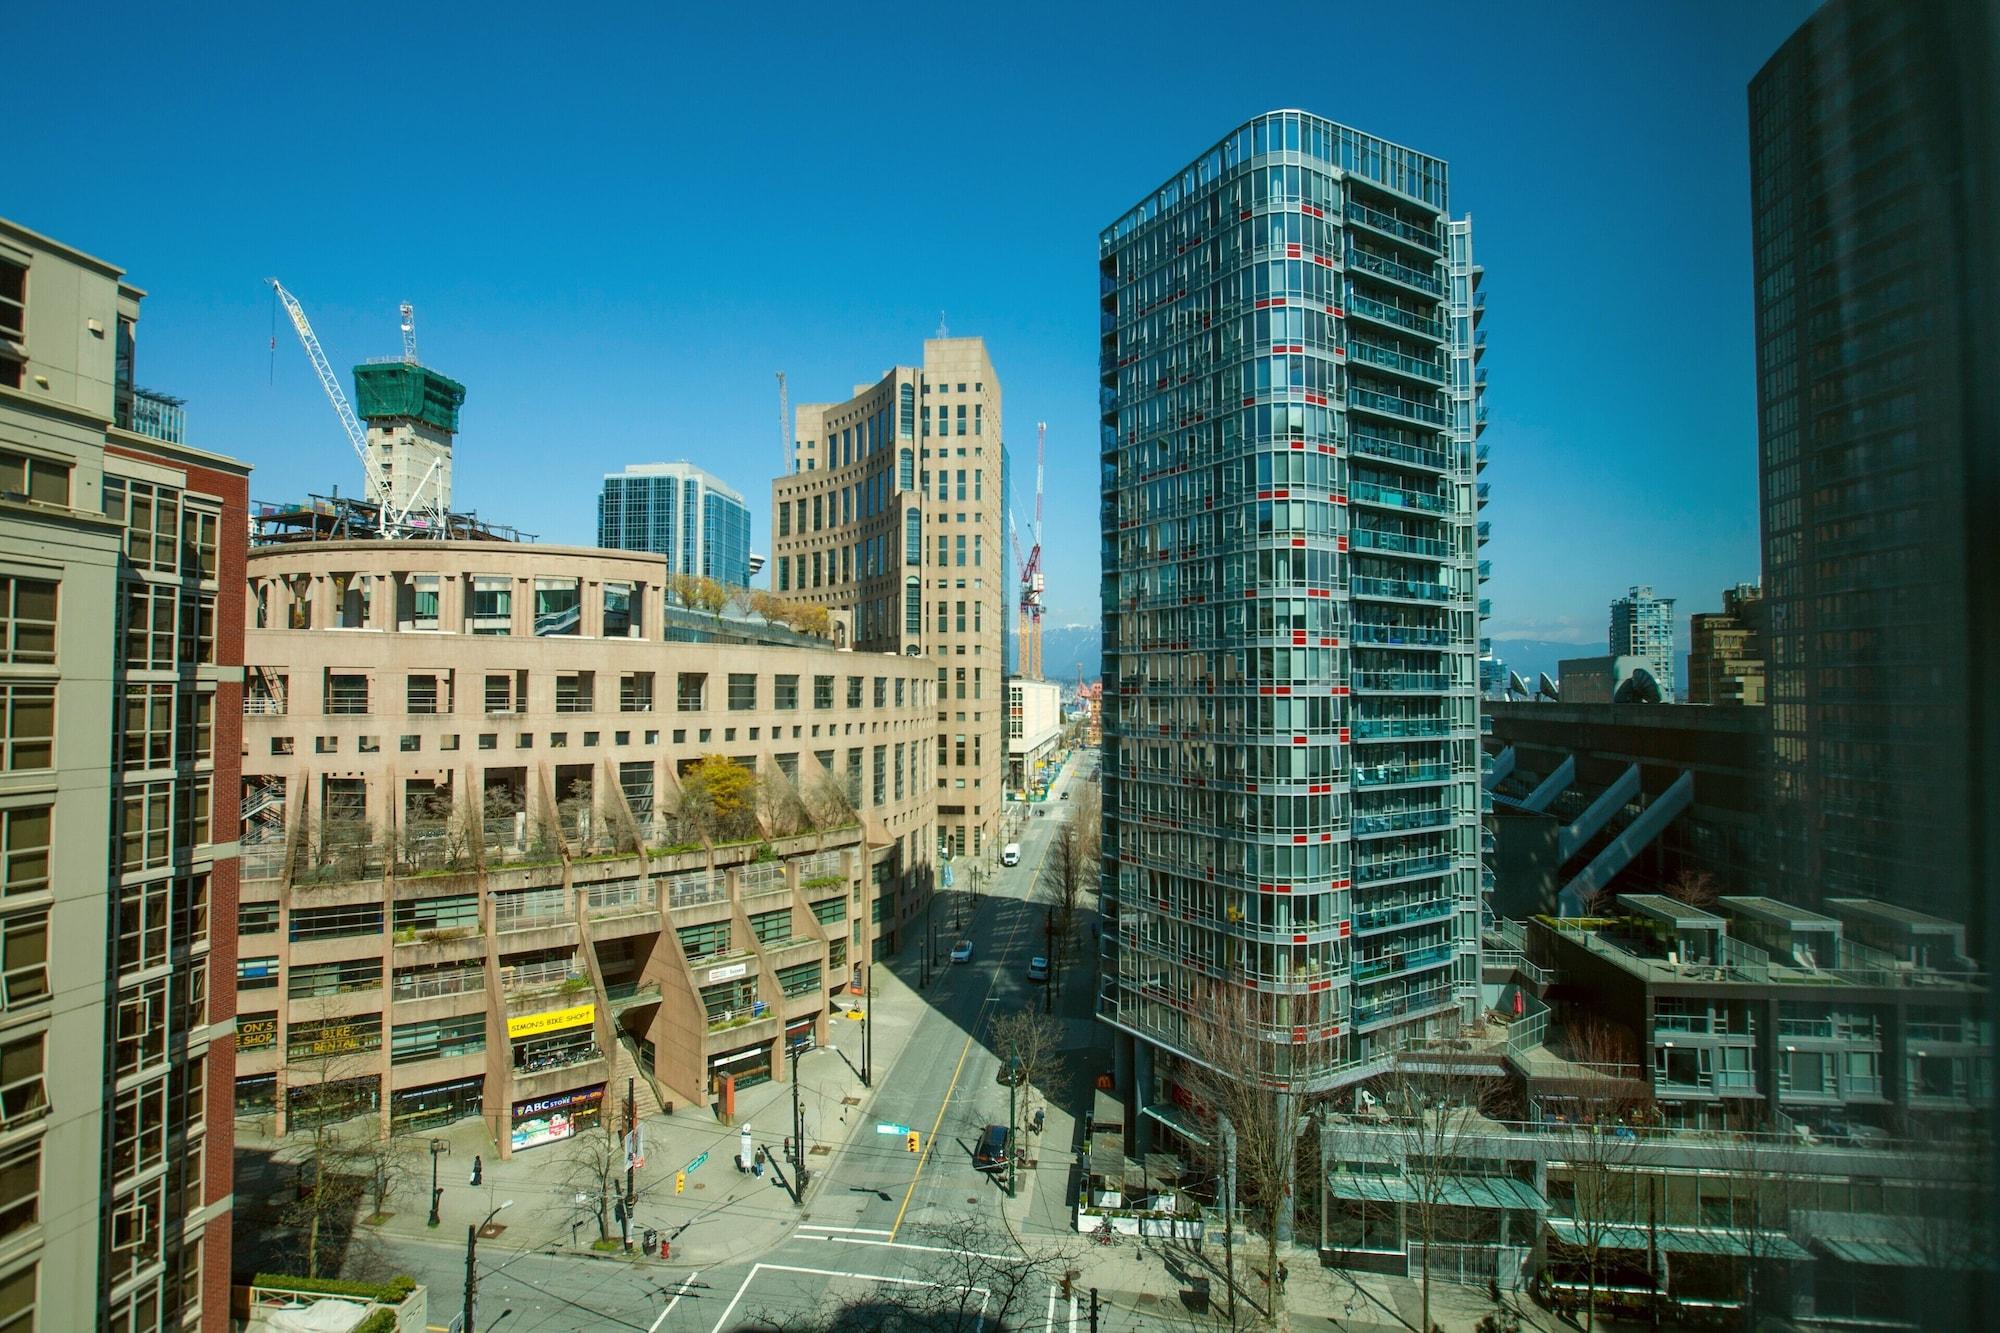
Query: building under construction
point(329, 518)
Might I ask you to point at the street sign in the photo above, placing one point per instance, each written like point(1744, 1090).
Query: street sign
point(696, 1163)
point(891, 1129)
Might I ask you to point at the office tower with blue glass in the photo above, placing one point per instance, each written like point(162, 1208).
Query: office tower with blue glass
point(693, 518)
point(1291, 408)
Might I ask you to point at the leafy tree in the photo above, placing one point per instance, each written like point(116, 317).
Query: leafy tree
point(719, 796)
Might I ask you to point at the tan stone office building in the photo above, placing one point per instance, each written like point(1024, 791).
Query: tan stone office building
point(470, 886)
point(121, 578)
point(895, 509)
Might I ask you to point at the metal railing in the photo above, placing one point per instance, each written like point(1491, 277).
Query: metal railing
point(1381, 446)
point(1398, 497)
point(1404, 914)
point(1401, 682)
point(1390, 313)
point(1410, 589)
point(1390, 359)
point(1395, 226)
point(1374, 539)
point(1396, 403)
point(695, 887)
point(1369, 262)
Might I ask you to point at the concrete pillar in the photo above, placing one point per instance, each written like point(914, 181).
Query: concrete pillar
point(1121, 1075)
point(1142, 1092)
point(1288, 1212)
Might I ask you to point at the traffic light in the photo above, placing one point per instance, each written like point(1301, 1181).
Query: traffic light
point(913, 1140)
point(680, 1182)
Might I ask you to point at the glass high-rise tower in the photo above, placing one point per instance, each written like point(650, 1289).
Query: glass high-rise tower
point(1291, 406)
point(1642, 625)
point(689, 516)
point(1868, 236)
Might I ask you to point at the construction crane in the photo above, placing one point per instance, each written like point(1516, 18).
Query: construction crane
point(376, 482)
point(1032, 582)
point(784, 425)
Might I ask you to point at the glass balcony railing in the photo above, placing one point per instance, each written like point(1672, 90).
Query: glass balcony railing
point(1387, 728)
point(1366, 969)
point(1401, 636)
point(1396, 867)
point(1371, 539)
point(1401, 682)
point(1365, 1014)
point(1383, 267)
point(1407, 589)
point(1396, 497)
point(1388, 357)
point(1382, 446)
point(1485, 531)
point(1404, 914)
point(1392, 314)
point(1395, 226)
point(1402, 821)
point(1485, 570)
point(1392, 403)
point(1384, 775)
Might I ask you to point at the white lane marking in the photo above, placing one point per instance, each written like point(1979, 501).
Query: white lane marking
point(1049, 1320)
point(859, 1231)
point(686, 1282)
point(730, 1309)
point(1072, 1312)
point(985, 1294)
point(928, 1249)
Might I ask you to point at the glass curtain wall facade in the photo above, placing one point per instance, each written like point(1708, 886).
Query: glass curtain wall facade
point(1864, 226)
point(1642, 625)
point(1290, 403)
point(700, 524)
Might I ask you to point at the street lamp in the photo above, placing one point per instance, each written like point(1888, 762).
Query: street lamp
point(801, 1172)
point(439, 1148)
point(471, 1260)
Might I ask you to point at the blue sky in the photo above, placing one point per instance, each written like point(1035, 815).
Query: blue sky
point(618, 222)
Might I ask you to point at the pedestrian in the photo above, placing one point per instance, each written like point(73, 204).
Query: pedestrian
point(1283, 1274)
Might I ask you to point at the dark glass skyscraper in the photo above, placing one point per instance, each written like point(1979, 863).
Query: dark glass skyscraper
point(1863, 226)
point(1290, 404)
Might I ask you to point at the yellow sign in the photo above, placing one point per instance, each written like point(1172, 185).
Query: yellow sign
point(680, 1182)
point(529, 1025)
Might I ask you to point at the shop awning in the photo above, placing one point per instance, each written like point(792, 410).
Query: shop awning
point(1179, 1121)
point(1675, 1240)
point(1457, 1191)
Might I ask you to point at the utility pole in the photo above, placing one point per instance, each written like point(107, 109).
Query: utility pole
point(798, 1132)
point(472, 1262)
point(631, 1159)
point(1013, 1084)
point(438, 1148)
point(867, 1008)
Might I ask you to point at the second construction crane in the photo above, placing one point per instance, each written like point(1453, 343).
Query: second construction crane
point(1032, 582)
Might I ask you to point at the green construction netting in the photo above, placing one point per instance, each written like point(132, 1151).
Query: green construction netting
point(399, 389)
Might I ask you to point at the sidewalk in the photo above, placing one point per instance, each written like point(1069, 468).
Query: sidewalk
point(725, 1214)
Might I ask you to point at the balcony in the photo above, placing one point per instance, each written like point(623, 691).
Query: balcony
point(1400, 636)
point(1485, 570)
point(159, 415)
point(1408, 590)
point(1374, 539)
point(1367, 261)
point(1388, 358)
point(1402, 915)
point(1393, 315)
point(1398, 964)
point(1372, 445)
point(1408, 408)
point(1366, 1015)
point(1396, 728)
point(1399, 867)
point(1402, 821)
point(625, 995)
point(1392, 225)
point(1396, 497)
point(1392, 775)
point(1400, 682)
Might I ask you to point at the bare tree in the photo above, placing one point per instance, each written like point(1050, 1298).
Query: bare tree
point(594, 1165)
point(1234, 1036)
point(1436, 1105)
point(826, 800)
point(384, 1165)
point(1604, 1105)
point(322, 1085)
point(326, 1196)
point(1027, 1043)
point(784, 809)
point(1694, 888)
point(1762, 1174)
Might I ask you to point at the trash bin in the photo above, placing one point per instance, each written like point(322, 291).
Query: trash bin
point(651, 1241)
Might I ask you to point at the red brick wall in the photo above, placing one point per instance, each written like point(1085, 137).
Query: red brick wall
point(224, 886)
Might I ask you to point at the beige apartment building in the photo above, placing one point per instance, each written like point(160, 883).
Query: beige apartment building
point(121, 584)
point(472, 884)
point(1726, 650)
point(895, 510)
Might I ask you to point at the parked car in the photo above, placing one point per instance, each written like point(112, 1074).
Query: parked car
point(1010, 855)
point(961, 952)
point(1038, 969)
point(994, 1143)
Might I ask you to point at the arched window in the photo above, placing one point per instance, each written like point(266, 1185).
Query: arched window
point(906, 417)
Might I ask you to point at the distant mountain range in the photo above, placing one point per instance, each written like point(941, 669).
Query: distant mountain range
point(1063, 646)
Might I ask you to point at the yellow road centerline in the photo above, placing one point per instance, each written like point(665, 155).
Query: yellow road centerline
point(924, 1157)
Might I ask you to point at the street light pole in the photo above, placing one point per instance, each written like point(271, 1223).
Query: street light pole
point(867, 1009)
point(438, 1148)
point(472, 1261)
point(798, 1134)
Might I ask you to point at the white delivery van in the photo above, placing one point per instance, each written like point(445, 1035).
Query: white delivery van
point(1010, 855)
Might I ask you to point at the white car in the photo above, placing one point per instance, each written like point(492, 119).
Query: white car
point(961, 952)
point(1038, 969)
point(1010, 855)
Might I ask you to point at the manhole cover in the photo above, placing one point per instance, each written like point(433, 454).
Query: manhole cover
point(701, 1187)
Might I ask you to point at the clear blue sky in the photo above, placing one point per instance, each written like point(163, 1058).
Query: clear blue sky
point(617, 225)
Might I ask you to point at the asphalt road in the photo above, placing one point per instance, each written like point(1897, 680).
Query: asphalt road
point(879, 1216)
